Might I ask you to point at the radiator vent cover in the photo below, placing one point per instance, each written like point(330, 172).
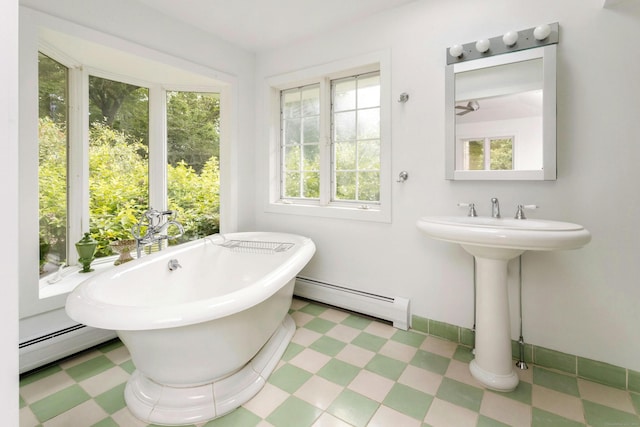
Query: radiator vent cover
point(393, 309)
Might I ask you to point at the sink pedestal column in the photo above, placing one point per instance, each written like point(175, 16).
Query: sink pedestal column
point(493, 365)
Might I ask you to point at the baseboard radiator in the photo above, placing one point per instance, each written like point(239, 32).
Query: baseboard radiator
point(46, 348)
point(392, 309)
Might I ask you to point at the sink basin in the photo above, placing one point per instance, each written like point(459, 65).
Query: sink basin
point(493, 242)
point(519, 234)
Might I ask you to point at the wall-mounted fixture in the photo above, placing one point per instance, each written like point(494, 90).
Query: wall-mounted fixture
point(404, 97)
point(402, 176)
point(513, 78)
point(511, 41)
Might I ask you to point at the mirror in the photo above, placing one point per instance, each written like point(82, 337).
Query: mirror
point(501, 116)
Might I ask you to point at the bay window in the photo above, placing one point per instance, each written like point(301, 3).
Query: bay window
point(102, 140)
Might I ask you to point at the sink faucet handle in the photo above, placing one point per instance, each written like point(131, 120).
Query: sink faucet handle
point(520, 212)
point(471, 206)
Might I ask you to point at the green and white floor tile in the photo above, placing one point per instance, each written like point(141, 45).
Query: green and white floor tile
point(341, 370)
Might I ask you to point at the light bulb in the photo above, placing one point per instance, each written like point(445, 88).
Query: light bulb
point(483, 45)
point(455, 50)
point(542, 32)
point(510, 38)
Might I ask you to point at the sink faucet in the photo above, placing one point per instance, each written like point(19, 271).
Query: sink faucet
point(495, 207)
point(156, 230)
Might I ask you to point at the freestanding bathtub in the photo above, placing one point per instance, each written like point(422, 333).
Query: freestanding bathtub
point(205, 335)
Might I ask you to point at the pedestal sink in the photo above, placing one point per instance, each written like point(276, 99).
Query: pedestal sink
point(493, 242)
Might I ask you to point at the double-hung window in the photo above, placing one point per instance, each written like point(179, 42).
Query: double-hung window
point(333, 144)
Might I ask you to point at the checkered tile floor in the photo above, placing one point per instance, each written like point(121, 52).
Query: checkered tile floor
point(341, 370)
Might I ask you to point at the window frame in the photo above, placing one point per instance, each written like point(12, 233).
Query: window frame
point(333, 162)
point(323, 75)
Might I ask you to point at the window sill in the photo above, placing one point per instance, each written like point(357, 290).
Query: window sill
point(70, 277)
point(373, 214)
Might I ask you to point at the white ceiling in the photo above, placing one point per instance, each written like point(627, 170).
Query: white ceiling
point(258, 25)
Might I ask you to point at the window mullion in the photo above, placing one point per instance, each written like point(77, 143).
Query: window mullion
point(326, 143)
point(78, 160)
point(157, 147)
point(487, 153)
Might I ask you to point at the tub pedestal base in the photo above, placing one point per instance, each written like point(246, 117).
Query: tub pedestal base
point(156, 403)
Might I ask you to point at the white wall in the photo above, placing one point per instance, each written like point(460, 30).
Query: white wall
point(583, 302)
point(9, 212)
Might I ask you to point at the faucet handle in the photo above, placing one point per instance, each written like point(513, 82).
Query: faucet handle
point(520, 212)
point(471, 206)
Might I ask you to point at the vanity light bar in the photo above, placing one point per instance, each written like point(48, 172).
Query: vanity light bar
point(524, 39)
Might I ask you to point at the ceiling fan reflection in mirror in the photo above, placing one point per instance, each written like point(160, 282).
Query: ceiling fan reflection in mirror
point(471, 106)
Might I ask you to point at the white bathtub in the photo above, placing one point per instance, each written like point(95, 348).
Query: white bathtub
point(204, 337)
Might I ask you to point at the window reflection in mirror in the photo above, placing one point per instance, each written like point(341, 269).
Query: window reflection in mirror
point(496, 101)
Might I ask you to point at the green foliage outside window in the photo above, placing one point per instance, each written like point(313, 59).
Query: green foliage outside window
point(52, 178)
point(502, 154)
point(195, 195)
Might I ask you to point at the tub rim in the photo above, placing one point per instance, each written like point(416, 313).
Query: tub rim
point(82, 307)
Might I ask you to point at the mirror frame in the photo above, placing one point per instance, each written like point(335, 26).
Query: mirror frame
point(548, 172)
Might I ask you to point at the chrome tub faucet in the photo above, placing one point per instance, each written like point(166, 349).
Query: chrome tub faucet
point(155, 224)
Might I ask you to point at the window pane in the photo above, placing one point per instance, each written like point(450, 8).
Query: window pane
point(291, 132)
point(292, 184)
point(292, 158)
point(118, 159)
point(311, 157)
point(502, 154)
point(369, 155)
point(311, 185)
point(52, 162)
point(345, 126)
point(344, 95)
point(291, 103)
point(345, 156)
point(474, 155)
point(311, 101)
point(369, 91)
point(311, 129)
point(193, 151)
point(369, 124)
point(368, 186)
point(300, 137)
point(346, 185)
